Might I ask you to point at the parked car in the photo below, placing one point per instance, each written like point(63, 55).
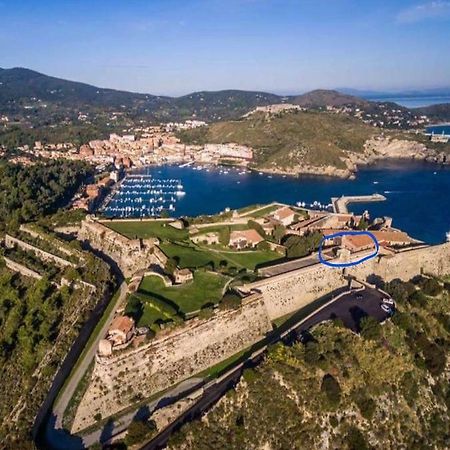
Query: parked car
point(386, 308)
point(388, 301)
point(358, 296)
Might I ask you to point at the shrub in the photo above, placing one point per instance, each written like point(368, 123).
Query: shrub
point(370, 328)
point(206, 313)
point(139, 430)
point(400, 290)
point(366, 406)
point(356, 440)
point(230, 301)
point(264, 246)
point(418, 299)
point(330, 386)
point(431, 287)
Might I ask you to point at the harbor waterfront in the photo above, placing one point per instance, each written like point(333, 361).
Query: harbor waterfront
point(417, 194)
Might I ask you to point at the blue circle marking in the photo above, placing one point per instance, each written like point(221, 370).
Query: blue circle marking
point(351, 263)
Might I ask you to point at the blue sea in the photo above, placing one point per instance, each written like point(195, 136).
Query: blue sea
point(418, 193)
point(439, 129)
point(411, 102)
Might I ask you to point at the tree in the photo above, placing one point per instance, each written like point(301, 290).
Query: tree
point(278, 232)
point(370, 328)
point(330, 386)
point(230, 301)
point(224, 235)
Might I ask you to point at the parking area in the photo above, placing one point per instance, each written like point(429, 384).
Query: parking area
point(351, 308)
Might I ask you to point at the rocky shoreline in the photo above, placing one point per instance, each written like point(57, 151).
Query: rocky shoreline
point(376, 149)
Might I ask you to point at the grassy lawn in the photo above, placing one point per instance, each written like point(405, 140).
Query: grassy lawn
point(206, 288)
point(214, 228)
point(146, 311)
point(199, 256)
point(252, 259)
point(147, 229)
point(262, 212)
point(190, 256)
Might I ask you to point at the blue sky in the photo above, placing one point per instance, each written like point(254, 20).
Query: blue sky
point(174, 47)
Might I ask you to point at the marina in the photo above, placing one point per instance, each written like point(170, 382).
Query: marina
point(143, 195)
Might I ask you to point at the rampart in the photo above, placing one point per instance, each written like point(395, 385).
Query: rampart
point(45, 256)
point(130, 255)
point(170, 359)
point(16, 267)
point(290, 291)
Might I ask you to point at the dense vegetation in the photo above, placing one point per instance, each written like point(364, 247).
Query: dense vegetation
point(39, 320)
point(27, 193)
point(385, 388)
point(38, 323)
point(287, 140)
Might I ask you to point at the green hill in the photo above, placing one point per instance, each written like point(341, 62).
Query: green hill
point(287, 140)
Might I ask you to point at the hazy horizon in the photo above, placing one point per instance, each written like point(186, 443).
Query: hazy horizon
point(282, 46)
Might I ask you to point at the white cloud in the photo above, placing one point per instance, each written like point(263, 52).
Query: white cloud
point(438, 9)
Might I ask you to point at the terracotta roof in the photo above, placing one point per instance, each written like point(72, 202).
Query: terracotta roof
point(122, 323)
point(284, 212)
point(249, 235)
point(358, 241)
point(392, 236)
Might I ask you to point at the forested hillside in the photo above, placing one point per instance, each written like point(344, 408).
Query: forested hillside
point(386, 388)
point(28, 192)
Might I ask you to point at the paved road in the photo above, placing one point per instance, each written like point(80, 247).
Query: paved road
point(51, 431)
point(351, 309)
point(295, 264)
point(112, 429)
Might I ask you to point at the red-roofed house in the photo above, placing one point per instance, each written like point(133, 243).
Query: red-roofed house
point(245, 238)
point(121, 330)
point(284, 215)
point(357, 243)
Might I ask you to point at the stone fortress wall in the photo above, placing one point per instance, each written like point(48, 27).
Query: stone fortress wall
point(11, 242)
point(130, 255)
point(169, 359)
point(285, 293)
point(200, 344)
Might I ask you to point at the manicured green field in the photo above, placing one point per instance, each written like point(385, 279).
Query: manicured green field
point(206, 288)
point(147, 229)
point(190, 256)
point(251, 259)
point(262, 212)
point(199, 256)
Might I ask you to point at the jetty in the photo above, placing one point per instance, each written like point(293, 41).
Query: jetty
point(340, 204)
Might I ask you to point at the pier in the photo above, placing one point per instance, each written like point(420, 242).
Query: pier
point(340, 204)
